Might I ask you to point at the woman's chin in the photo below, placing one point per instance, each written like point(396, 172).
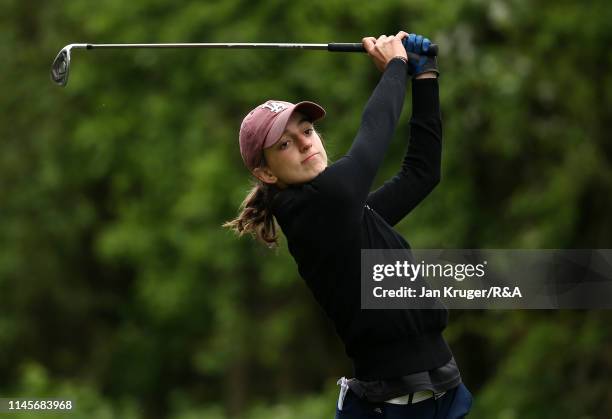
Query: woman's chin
point(317, 172)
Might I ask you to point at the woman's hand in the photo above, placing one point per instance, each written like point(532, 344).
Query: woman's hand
point(385, 48)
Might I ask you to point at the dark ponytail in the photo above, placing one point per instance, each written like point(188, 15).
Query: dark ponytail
point(255, 216)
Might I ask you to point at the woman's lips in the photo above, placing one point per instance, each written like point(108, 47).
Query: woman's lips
point(308, 158)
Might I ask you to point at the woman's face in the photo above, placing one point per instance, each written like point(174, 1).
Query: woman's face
point(297, 157)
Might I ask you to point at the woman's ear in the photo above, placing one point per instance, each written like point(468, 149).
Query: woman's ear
point(265, 175)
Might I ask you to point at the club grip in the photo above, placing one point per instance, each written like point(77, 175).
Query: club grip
point(358, 47)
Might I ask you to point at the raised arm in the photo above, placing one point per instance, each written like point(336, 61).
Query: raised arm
point(349, 179)
point(420, 171)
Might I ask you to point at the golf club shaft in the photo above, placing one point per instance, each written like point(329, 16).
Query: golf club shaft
point(332, 47)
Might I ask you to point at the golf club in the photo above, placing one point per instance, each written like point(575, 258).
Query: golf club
point(61, 65)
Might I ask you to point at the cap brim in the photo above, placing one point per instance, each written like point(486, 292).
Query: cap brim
point(310, 109)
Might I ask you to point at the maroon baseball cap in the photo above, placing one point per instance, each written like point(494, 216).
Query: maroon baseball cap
point(265, 124)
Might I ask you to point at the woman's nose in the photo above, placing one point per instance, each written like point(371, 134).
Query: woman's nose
point(305, 143)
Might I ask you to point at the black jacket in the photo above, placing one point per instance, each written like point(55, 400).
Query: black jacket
point(328, 220)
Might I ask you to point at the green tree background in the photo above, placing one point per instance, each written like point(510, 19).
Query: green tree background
point(120, 290)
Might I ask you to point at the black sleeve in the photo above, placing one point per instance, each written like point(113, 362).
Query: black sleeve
point(347, 182)
point(420, 171)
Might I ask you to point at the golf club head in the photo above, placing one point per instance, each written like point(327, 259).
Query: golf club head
point(61, 67)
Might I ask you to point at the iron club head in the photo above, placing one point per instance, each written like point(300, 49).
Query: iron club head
point(61, 65)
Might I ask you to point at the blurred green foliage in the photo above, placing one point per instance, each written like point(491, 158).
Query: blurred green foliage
point(120, 290)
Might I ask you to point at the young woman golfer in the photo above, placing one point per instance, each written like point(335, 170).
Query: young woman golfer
point(403, 366)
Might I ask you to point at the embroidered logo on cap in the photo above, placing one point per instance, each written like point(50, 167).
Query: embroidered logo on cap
point(275, 107)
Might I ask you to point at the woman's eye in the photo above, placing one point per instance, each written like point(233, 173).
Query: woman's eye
point(284, 145)
point(308, 131)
